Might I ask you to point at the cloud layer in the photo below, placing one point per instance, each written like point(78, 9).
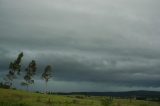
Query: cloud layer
point(98, 44)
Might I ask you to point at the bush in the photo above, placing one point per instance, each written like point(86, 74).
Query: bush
point(2, 85)
point(38, 99)
point(80, 97)
point(106, 102)
point(75, 101)
point(12, 104)
point(143, 105)
point(49, 101)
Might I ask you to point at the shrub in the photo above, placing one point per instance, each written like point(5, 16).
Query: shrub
point(106, 102)
point(75, 101)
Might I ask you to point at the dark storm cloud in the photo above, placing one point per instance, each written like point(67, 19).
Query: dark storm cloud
point(130, 72)
point(95, 43)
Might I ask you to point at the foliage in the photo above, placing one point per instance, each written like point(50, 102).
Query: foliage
point(14, 68)
point(106, 102)
point(30, 72)
point(46, 75)
point(2, 85)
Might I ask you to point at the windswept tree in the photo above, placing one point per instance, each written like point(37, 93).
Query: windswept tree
point(14, 68)
point(46, 75)
point(30, 72)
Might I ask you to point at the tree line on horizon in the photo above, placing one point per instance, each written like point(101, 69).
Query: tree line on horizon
point(30, 71)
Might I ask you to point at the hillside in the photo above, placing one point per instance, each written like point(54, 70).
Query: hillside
point(10, 97)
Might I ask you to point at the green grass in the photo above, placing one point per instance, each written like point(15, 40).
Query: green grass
point(10, 97)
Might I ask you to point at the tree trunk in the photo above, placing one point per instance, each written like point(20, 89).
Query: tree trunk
point(46, 88)
point(27, 87)
point(11, 84)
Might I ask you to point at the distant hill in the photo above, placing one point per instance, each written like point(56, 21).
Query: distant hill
point(118, 94)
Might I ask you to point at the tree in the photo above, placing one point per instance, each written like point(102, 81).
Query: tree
point(30, 72)
point(14, 68)
point(46, 75)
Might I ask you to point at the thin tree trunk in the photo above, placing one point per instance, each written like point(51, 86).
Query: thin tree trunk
point(46, 88)
point(10, 84)
point(27, 87)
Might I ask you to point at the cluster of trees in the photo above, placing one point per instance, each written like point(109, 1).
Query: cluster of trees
point(15, 70)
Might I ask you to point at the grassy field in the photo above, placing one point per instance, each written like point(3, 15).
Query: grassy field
point(10, 97)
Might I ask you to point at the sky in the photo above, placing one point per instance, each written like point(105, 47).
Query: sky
point(92, 45)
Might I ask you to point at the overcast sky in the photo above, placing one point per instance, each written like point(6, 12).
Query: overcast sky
point(92, 45)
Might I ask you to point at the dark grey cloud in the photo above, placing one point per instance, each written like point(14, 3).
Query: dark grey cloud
point(103, 45)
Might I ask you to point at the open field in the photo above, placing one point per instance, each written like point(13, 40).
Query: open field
point(10, 97)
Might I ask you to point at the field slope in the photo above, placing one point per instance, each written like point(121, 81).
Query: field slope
point(10, 97)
